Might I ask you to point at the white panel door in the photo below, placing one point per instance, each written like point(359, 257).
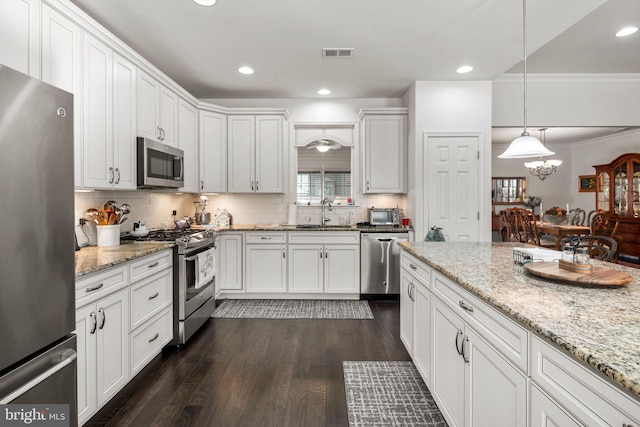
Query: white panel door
point(453, 186)
point(213, 152)
point(241, 150)
point(124, 123)
point(306, 268)
point(422, 331)
point(20, 36)
point(148, 105)
point(188, 142)
point(384, 164)
point(229, 275)
point(545, 412)
point(266, 268)
point(342, 268)
point(406, 310)
point(168, 116)
point(268, 154)
point(86, 330)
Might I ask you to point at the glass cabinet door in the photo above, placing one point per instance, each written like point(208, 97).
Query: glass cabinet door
point(620, 187)
point(636, 188)
point(603, 192)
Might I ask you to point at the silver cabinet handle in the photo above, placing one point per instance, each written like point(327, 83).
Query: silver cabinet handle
point(320, 253)
point(155, 337)
point(465, 356)
point(69, 356)
point(152, 264)
point(95, 323)
point(117, 175)
point(413, 266)
point(104, 317)
point(368, 186)
point(284, 253)
point(252, 186)
point(458, 335)
point(112, 176)
point(158, 134)
point(466, 306)
point(154, 295)
point(94, 288)
point(202, 184)
point(257, 185)
point(265, 238)
point(326, 253)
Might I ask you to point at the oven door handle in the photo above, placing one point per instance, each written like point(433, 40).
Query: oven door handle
point(191, 258)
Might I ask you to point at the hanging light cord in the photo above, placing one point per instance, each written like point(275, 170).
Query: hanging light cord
point(524, 61)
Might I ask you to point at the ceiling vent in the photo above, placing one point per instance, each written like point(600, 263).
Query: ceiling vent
point(343, 52)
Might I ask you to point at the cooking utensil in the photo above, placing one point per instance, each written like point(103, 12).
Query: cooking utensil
point(124, 210)
point(91, 214)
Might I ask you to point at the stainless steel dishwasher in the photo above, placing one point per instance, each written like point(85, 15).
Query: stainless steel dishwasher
point(380, 263)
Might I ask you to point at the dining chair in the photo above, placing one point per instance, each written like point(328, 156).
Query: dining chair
point(529, 229)
point(577, 216)
point(604, 223)
point(512, 227)
point(598, 247)
point(590, 217)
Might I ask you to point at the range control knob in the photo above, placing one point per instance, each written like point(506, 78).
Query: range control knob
point(186, 239)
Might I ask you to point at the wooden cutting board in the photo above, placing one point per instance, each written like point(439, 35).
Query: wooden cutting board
point(599, 276)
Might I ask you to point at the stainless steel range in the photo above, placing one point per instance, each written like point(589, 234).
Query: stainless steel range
point(194, 270)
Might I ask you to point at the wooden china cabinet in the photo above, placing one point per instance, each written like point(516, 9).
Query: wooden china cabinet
point(618, 190)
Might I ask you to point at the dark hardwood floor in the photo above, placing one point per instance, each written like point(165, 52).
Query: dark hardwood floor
point(247, 372)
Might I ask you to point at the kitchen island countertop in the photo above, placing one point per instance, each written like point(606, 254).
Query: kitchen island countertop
point(598, 326)
point(92, 259)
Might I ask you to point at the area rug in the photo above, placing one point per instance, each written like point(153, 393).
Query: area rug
point(293, 309)
point(388, 394)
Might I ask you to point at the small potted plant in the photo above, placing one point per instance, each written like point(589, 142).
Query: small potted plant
point(533, 202)
point(555, 215)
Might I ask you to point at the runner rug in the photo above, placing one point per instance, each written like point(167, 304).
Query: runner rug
point(388, 394)
point(293, 309)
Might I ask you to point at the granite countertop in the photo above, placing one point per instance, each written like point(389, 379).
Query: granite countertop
point(599, 326)
point(92, 259)
point(302, 227)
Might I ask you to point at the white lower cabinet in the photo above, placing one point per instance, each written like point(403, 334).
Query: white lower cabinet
point(406, 310)
point(544, 412)
point(266, 268)
point(324, 268)
point(422, 331)
point(229, 262)
point(103, 351)
point(306, 268)
point(120, 326)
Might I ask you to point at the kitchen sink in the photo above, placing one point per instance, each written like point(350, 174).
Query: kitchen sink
point(303, 226)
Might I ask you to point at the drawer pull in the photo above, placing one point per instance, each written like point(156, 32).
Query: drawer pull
point(413, 266)
point(465, 306)
point(94, 288)
point(154, 295)
point(155, 337)
point(104, 317)
point(458, 335)
point(465, 356)
point(153, 264)
point(265, 238)
point(95, 323)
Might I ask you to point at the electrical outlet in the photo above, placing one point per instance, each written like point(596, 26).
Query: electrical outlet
point(174, 212)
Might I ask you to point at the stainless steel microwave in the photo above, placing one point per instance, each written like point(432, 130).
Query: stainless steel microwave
point(391, 216)
point(159, 165)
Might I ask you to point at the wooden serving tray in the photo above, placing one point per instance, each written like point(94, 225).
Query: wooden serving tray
point(598, 276)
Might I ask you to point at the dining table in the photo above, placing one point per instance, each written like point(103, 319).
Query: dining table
point(560, 231)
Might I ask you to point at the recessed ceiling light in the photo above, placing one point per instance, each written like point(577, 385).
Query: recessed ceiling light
point(324, 92)
point(464, 69)
point(245, 70)
point(626, 31)
point(205, 2)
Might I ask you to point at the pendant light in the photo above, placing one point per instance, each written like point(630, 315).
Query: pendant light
point(526, 145)
point(542, 169)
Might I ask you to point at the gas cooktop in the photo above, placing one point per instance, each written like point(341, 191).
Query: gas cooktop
point(182, 236)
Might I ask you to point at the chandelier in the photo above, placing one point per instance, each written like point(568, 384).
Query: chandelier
point(542, 169)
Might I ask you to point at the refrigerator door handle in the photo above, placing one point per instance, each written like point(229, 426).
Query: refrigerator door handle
point(68, 357)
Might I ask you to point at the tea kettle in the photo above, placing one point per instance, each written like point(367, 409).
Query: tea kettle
point(139, 229)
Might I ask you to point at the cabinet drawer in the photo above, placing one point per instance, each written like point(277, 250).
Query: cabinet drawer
point(591, 399)
point(91, 288)
point(416, 268)
point(149, 296)
point(151, 264)
point(147, 341)
point(325, 237)
point(509, 338)
point(267, 237)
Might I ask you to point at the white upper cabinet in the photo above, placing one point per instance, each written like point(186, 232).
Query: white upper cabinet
point(109, 118)
point(188, 142)
point(255, 153)
point(343, 133)
point(20, 36)
point(385, 151)
point(157, 111)
point(213, 152)
point(62, 67)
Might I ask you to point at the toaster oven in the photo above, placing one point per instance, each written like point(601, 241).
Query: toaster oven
point(384, 216)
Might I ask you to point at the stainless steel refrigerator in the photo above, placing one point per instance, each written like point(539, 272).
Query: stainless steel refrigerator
point(37, 272)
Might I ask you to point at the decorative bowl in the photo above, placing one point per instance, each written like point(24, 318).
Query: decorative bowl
point(556, 219)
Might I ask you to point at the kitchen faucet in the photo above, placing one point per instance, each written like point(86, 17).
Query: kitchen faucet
point(326, 202)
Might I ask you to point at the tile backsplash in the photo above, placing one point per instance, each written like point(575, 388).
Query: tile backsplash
point(155, 208)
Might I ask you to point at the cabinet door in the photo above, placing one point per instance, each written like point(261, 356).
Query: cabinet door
point(384, 154)
point(62, 67)
point(229, 262)
point(148, 104)
point(422, 331)
point(86, 330)
point(241, 150)
point(112, 345)
point(306, 268)
point(168, 116)
point(98, 170)
point(342, 269)
point(268, 154)
point(124, 123)
point(266, 268)
point(496, 391)
point(448, 377)
point(406, 310)
point(20, 36)
point(544, 411)
point(213, 152)
point(188, 142)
